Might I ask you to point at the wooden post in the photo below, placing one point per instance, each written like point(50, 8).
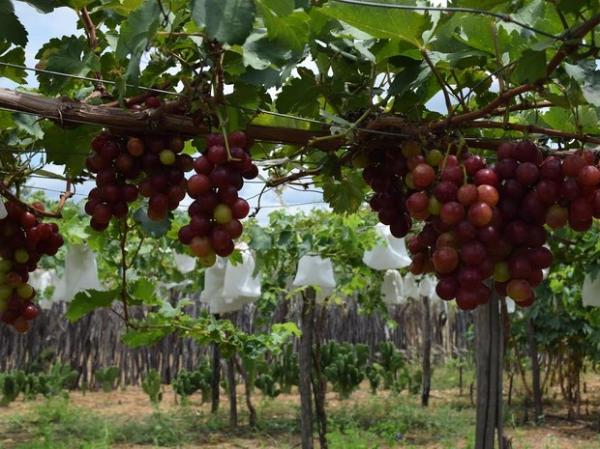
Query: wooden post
point(319, 381)
point(426, 362)
point(535, 371)
point(305, 364)
point(247, 392)
point(215, 385)
point(231, 383)
point(489, 342)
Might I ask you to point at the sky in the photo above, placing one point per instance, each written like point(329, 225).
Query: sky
point(63, 22)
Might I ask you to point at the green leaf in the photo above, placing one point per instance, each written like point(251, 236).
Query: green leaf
point(69, 146)
point(6, 120)
point(151, 227)
point(301, 95)
point(144, 337)
point(72, 57)
point(43, 6)
point(143, 290)
point(69, 54)
point(136, 34)
point(278, 7)
point(588, 77)
point(283, 25)
point(412, 75)
point(12, 30)
point(227, 21)
point(559, 118)
point(28, 123)
point(264, 119)
point(260, 239)
point(345, 195)
point(382, 22)
point(14, 56)
point(88, 301)
point(531, 67)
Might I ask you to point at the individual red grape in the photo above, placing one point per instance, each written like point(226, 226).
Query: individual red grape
point(445, 260)
point(506, 150)
point(480, 214)
point(447, 288)
point(527, 151)
point(486, 176)
point(198, 185)
point(467, 194)
point(473, 253)
point(423, 175)
point(445, 191)
point(452, 213)
point(519, 290)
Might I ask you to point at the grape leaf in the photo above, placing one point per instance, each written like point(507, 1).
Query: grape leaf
point(382, 22)
point(69, 54)
point(14, 56)
point(135, 338)
point(588, 77)
point(301, 95)
point(227, 21)
point(69, 146)
point(136, 34)
point(531, 67)
point(344, 195)
point(143, 291)
point(283, 25)
point(44, 6)
point(87, 301)
point(12, 30)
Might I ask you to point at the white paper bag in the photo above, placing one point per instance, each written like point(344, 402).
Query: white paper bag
point(40, 280)
point(590, 292)
point(81, 271)
point(239, 280)
point(510, 305)
point(214, 279)
point(410, 287)
point(227, 287)
point(391, 288)
point(314, 270)
point(389, 254)
point(185, 264)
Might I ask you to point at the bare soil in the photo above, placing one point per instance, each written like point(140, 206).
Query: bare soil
point(557, 432)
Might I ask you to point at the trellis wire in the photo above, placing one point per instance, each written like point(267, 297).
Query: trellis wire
point(185, 206)
point(448, 9)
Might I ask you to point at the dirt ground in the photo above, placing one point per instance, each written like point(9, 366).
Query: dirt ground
point(556, 433)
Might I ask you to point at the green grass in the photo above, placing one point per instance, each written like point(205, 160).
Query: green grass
point(374, 423)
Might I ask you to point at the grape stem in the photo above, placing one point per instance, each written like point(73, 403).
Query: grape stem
point(6, 193)
point(223, 128)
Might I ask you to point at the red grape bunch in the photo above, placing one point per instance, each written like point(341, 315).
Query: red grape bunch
point(23, 241)
point(217, 209)
point(128, 167)
point(385, 172)
point(487, 222)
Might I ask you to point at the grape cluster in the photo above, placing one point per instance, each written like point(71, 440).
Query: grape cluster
point(23, 241)
point(483, 222)
point(385, 170)
point(217, 209)
point(128, 167)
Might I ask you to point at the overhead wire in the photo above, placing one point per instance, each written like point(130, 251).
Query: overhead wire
point(451, 9)
point(185, 206)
